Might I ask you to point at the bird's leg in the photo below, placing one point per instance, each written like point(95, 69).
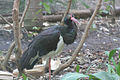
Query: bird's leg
point(49, 68)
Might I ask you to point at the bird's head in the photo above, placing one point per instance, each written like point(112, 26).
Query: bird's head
point(70, 18)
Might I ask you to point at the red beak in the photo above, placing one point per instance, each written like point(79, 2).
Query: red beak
point(75, 20)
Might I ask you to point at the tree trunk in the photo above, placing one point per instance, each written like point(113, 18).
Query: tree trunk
point(33, 19)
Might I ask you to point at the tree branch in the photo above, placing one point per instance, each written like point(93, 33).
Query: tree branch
point(24, 13)
point(5, 20)
point(67, 11)
point(69, 62)
point(16, 28)
point(4, 64)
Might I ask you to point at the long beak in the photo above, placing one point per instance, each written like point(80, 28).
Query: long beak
point(75, 20)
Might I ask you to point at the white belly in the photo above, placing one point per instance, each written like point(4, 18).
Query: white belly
point(60, 46)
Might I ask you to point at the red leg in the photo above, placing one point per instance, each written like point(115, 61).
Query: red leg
point(49, 68)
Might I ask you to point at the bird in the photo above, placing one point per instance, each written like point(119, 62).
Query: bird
point(49, 42)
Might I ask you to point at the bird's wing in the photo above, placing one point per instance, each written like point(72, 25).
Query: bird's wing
point(40, 46)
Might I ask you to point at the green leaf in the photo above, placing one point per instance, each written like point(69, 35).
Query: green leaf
point(105, 11)
point(38, 11)
point(73, 76)
point(110, 68)
point(110, 56)
point(118, 48)
point(51, 1)
point(93, 27)
point(40, 3)
point(35, 28)
point(88, 68)
point(84, 4)
point(114, 63)
point(118, 69)
point(92, 77)
point(47, 7)
point(24, 77)
point(77, 68)
point(119, 55)
point(107, 53)
point(108, 8)
point(106, 0)
point(74, 4)
point(106, 76)
point(112, 53)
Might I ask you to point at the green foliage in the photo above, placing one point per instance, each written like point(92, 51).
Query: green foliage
point(105, 76)
point(117, 66)
point(104, 11)
point(88, 68)
point(92, 77)
point(36, 28)
point(106, 0)
point(1, 53)
point(119, 55)
point(108, 7)
point(73, 6)
point(84, 4)
point(38, 11)
point(24, 77)
point(113, 72)
point(96, 76)
point(110, 68)
point(118, 69)
point(73, 76)
point(47, 7)
point(93, 27)
point(22, 5)
point(112, 53)
point(77, 68)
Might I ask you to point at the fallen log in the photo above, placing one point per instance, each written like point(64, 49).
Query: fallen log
point(58, 15)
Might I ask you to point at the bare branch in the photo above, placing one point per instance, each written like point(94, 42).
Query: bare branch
point(69, 62)
point(24, 13)
point(4, 64)
point(67, 11)
point(16, 28)
point(6, 21)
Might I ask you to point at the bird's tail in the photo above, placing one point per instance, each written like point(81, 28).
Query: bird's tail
point(28, 59)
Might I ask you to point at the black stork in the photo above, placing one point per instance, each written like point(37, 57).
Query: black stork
point(49, 42)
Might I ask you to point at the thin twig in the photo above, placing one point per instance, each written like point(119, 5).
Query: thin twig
point(4, 64)
point(24, 13)
point(6, 21)
point(67, 11)
point(77, 50)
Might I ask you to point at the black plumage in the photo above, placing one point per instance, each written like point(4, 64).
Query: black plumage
point(47, 41)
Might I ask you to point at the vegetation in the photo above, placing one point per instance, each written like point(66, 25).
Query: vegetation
point(113, 72)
